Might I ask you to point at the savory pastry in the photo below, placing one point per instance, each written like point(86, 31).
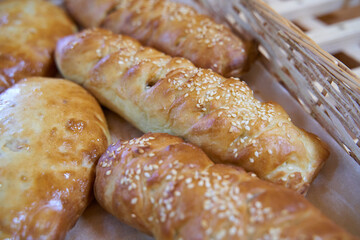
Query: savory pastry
point(173, 28)
point(171, 190)
point(29, 31)
point(52, 133)
point(157, 93)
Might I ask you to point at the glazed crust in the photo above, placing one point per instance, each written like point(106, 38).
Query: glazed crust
point(173, 28)
point(171, 190)
point(52, 132)
point(29, 31)
point(157, 93)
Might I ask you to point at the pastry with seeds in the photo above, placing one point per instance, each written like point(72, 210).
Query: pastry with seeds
point(174, 28)
point(158, 93)
point(29, 32)
point(170, 189)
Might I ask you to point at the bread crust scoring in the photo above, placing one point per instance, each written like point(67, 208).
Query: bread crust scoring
point(158, 93)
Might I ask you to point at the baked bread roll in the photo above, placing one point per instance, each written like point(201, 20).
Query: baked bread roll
point(52, 134)
point(170, 27)
point(29, 32)
point(171, 190)
point(157, 93)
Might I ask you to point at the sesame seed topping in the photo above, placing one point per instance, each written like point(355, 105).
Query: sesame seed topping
point(134, 201)
point(232, 230)
point(108, 172)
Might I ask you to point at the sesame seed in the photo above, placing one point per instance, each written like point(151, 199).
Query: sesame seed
point(134, 201)
point(232, 230)
point(258, 204)
point(108, 172)
point(172, 214)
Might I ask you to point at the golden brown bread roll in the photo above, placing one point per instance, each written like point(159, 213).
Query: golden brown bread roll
point(157, 93)
point(29, 31)
point(171, 190)
point(52, 132)
point(170, 27)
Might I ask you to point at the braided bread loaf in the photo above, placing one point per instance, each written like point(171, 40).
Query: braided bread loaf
point(170, 189)
point(157, 93)
point(173, 28)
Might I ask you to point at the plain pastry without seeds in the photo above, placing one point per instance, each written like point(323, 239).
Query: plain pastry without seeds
point(173, 28)
point(157, 93)
point(170, 189)
point(52, 132)
point(29, 30)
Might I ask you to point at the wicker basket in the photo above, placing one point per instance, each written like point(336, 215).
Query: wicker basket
point(324, 86)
